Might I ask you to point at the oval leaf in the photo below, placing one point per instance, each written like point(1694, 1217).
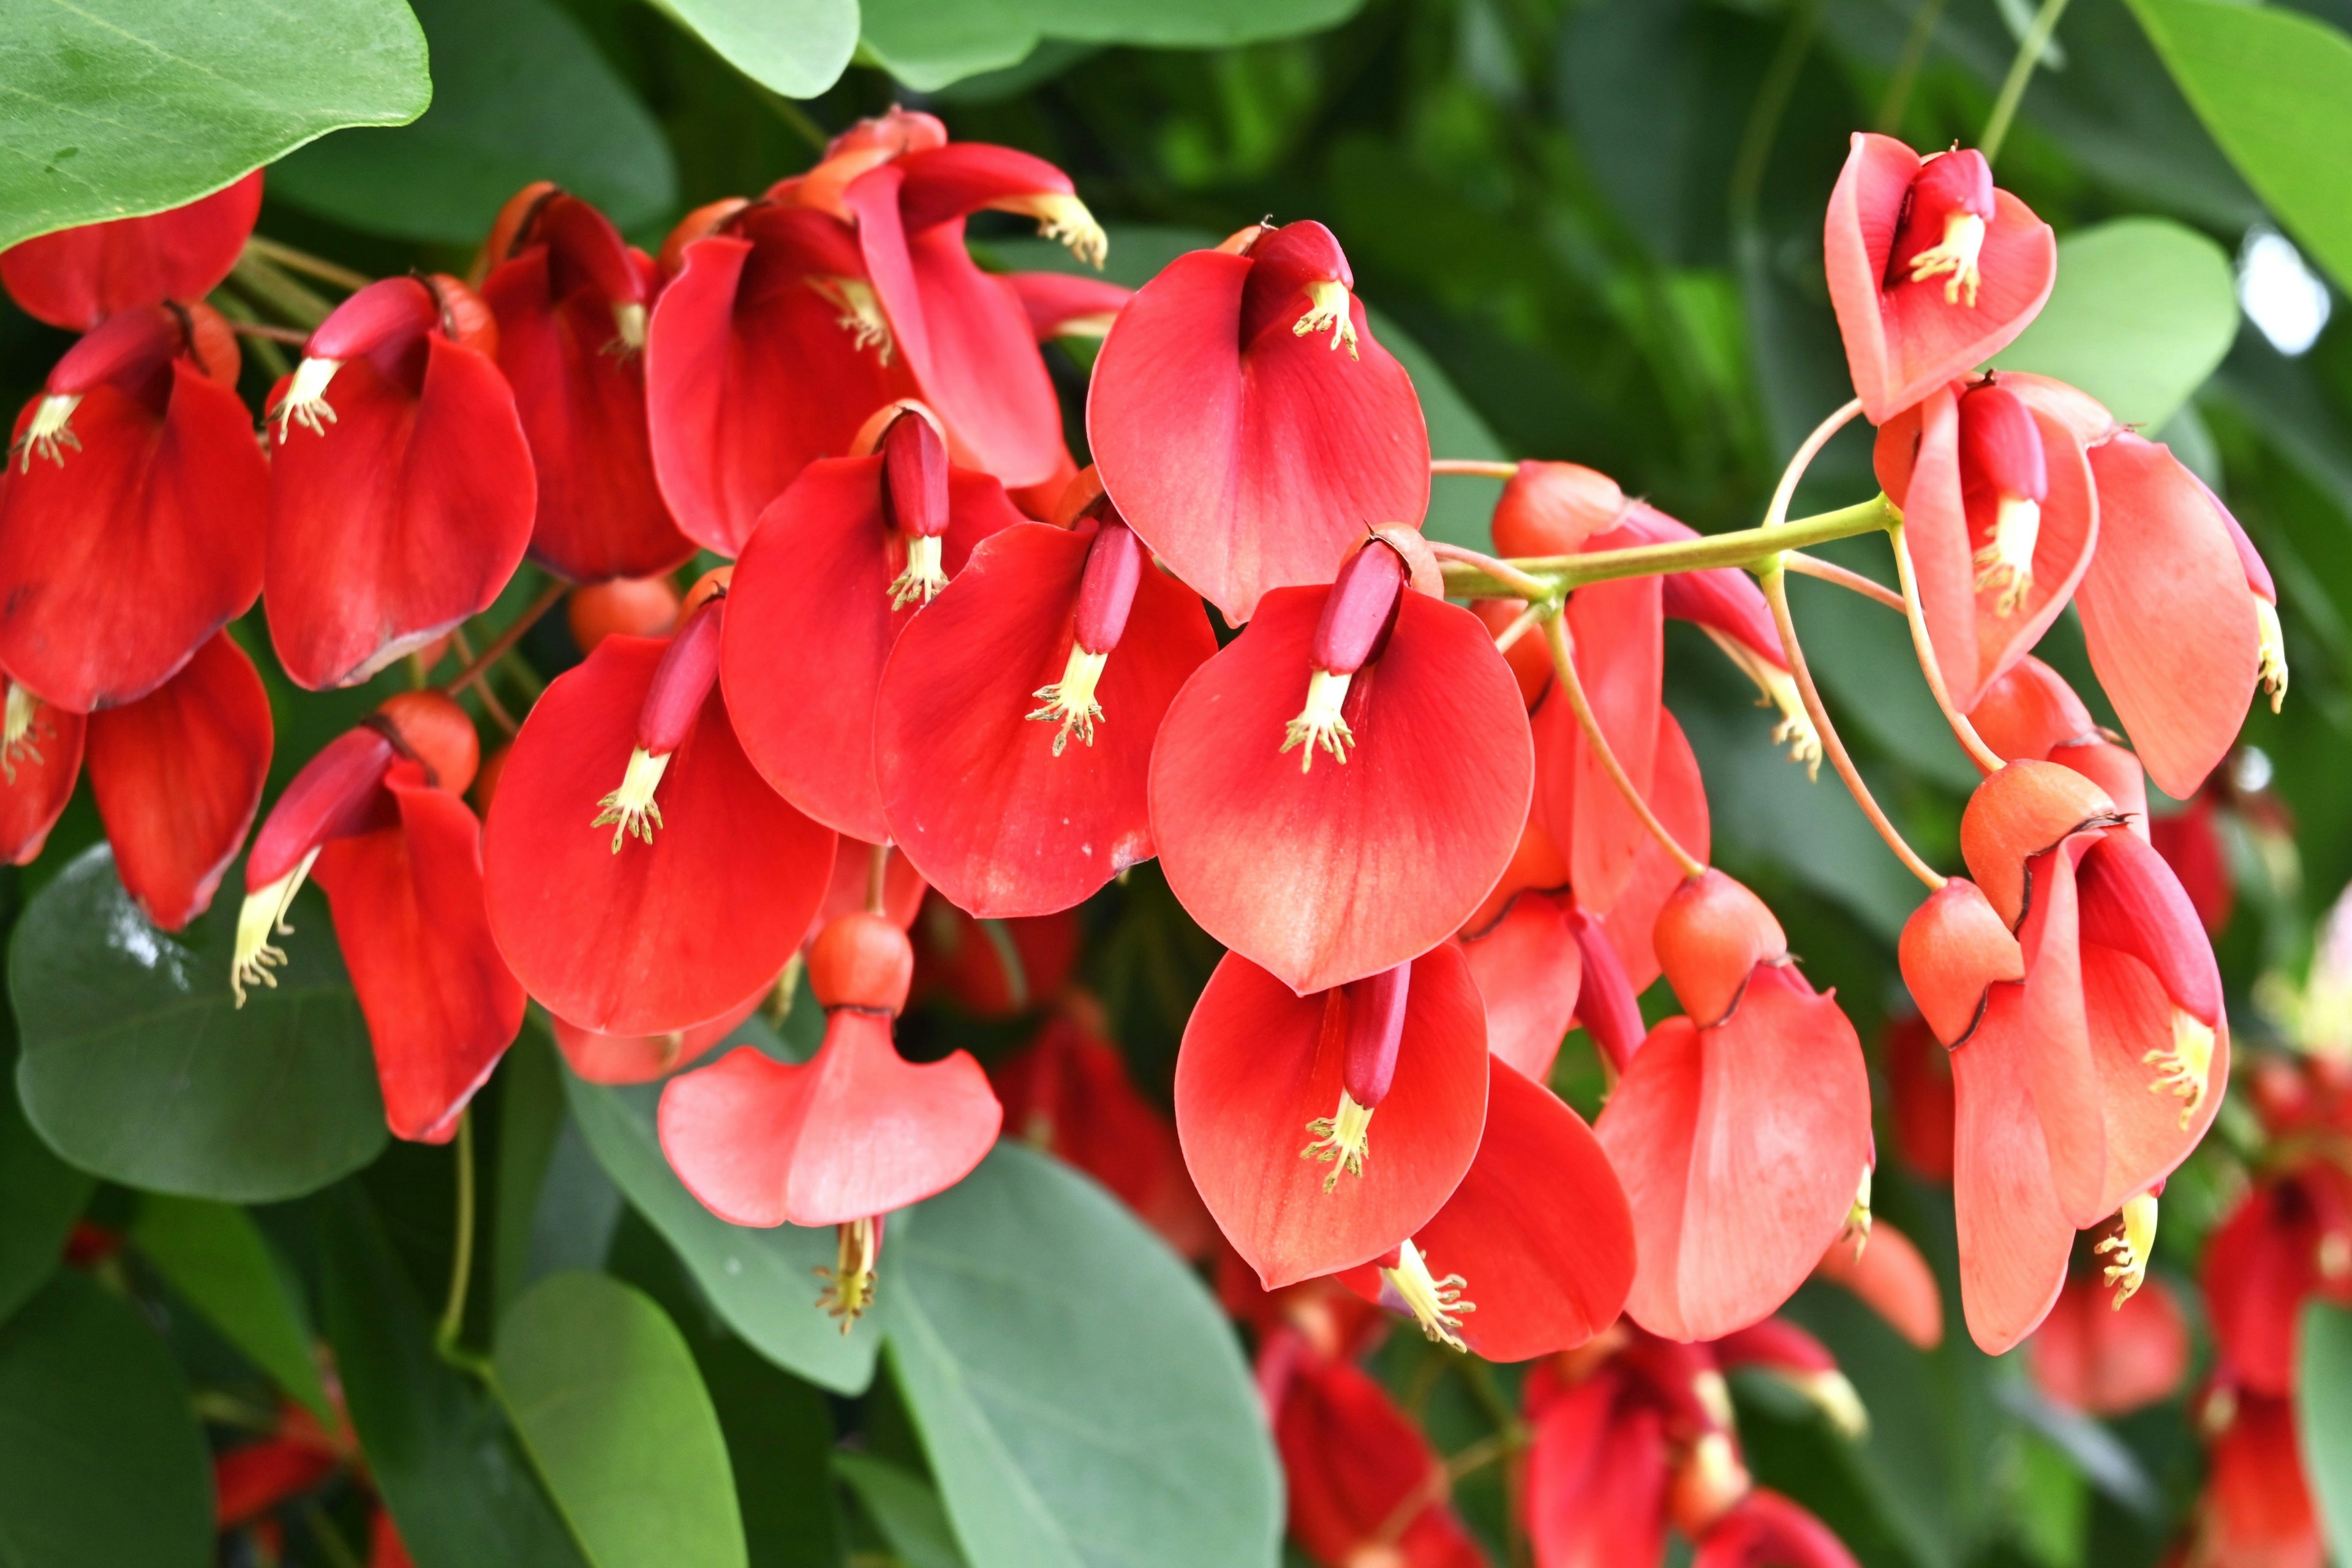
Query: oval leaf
point(216, 1257)
point(799, 47)
point(2326, 1417)
point(45, 1196)
point(927, 46)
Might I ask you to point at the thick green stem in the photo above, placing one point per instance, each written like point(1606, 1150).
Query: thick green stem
point(1747, 547)
point(2021, 72)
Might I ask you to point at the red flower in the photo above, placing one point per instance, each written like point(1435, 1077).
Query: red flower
point(1765, 1529)
point(1931, 270)
point(1247, 425)
point(1324, 1130)
point(1885, 1271)
point(1742, 1130)
point(1046, 635)
point(2110, 1358)
point(404, 500)
point(840, 565)
point(2288, 1241)
point(669, 932)
point(77, 278)
point(127, 510)
point(1597, 1472)
point(571, 302)
point(1327, 874)
point(2257, 1509)
point(379, 816)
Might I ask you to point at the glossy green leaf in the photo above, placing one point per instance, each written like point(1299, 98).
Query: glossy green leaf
point(763, 1282)
point(531, 1124)
point(101, 1461)
point(442, 1455)
point(2143, 312)
point(215, 1255)
point(520, 94)
point(927, 45)
point(139, 1066)
point(1081, 1399)
point(2324, 1416)
point(2275, 87)
point(797, 47)
point(904, 1507)
point(40, 1196)
point(116, 108)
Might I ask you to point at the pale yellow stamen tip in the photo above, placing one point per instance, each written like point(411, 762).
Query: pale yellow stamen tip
point(861, 313)
point(2129, 1249)
point(1342, 1140)
point(1437, 1304)
point(2274, 670)
point(1326, 304)
point(632, 806)
point(263, 913)
point(1964, 237)
point(1779, 690)
point(1714, 1395)
point(305, 403)
point(628, 326)
point(2006, 565)
point(1857, 1218)
point(925, 575)
point(1070, 701)
point(1833, 1395)
point(1319, 723)
point(2185, 1069)
point(21, 732)
point(1063, 216)
point(49, 432)
point(849, 1284)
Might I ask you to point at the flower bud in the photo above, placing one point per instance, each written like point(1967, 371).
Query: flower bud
point(861, 960)
point(432, 728)
point(2018, 813)
point(2028, 709)
point(1605, 1003)
point(1943, 235)
point(629, 606)
point(1711, 934)
point(1375, 1027)
point(2001, 452)
point(1953, 947)
point(1551, 509)
point(1359, 610)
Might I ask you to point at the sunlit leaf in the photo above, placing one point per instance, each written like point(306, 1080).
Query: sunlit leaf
point(2143, 312)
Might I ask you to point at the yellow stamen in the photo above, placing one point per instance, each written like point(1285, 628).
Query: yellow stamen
point(1343, 1137)
point(1327, 307)
point(1319, 723)
point(1857, 1218)
point(305, 403)
point(1833, 1395)
point(1071, 699)
point(849, 1284)
point(1436, 1303)
point(1714, 1395)
point(1778, 690)
point(861, 313)
point(2185, 1069)
point(263, 912)
point(1064, 218)
point(49, 431)
point(2006, 564)
point(1964, 236)
point(2333, 1255)
point(633, 806)
point(925, 575)
point(2273, 652)
point(21, 731)
point(629, 326)
point(2128, 1249)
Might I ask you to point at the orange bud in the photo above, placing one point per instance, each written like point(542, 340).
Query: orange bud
point(861, 960)
point(486, 781)
point(1953, 947)
point(507, 229)
point(631, 606)
point(1551, 509)
point(2027, 710)
point(2018, 812)
point(700, 224)
point(432, 728)
point(706, 587)
point(1711, 933)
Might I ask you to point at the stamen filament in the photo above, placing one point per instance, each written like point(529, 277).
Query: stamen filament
point(2273, 668)
point(2186, 1068)
point(632, 806)
point(1436, 1303)
point(2130, 1246)
point(924, 576)
point(861, 313)
point(1779, 690)
point(1319, 723)
point(2006, 562)
point(263, 912)
point(20, 733)
point(49, 431)
point(849, 1285)
point(1342, 1140)
point(1327, 302)
point(1071, 699)
point(1964, 235)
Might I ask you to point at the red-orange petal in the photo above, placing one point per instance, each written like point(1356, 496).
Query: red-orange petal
point(2106, 1358)
point(76, 278)
point(1893, 1279)
point(38, 780)
point(1530, 970)
point(2014, 1238)
point(641, 1058)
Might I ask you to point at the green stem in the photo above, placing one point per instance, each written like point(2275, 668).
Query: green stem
point(1747, 547)
point(2020, 71)
point(461, 1267)
point(1907, 68)
point(275, 292)
point(1771, 103)
point(319, 267)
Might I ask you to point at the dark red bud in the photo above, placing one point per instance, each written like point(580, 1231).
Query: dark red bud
point(1375, 1026)
point(1605, 1003)
point(1954, 946)
point(1115, 564)
point(861, 960)
point(2018, 813)
point(432, 728)
point(915, 477)
point(1551, 509)
point(1959, 181)
point(1356, 615)
point(126, 349)
point(681, 681)
point(2131, 902)
point(1711, 933)
point(2000, 445)
point(584, 248)
point(387, 314)
point(335, 794)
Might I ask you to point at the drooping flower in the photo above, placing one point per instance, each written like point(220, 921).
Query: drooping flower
point(77, 278)
point(379, 818)
point(2256, 1511)
point(661, 903)
point(2029, 713)
point(994, 776)
point(1335, 839)
point(401, 489)
point(128, 509)
point(2287, 1241)
point(840, 565)
point(1932, 271)
point(1324, 1130)
point(1741, 1131)
point(2103, 1358)
point(1247, 424)
point(573, 302)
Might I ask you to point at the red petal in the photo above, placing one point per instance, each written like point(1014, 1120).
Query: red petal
point(38, 780)
point(851, 888)
point(1249, 465)
point(77, 278)
point(1353, 1459)
point(2013, 1237)
point(1765, 1529)
point(939, 185)
point(1678, 795)
point(406, 517)
point(117, 564)
point(2259, 1514)
point(2065, 1078)
point(1347, 868)
point(580, 392)
point(2261, 1267)
point(1059, 302)
point(441, 1007)
point(855, 1131)
point(2129, 1016)
point(1741, 1147)
point(1918, 458)
point(664, 935)
point(970, 783)
point(2167, 612)
point(2093, 1355)
point(641, 1058)
point(1529, 970)
point(810, 627)
point(1596, 1482)
point(1259, 1063)
point(1893, 1280)
point(1619, 634)
point(178, 776)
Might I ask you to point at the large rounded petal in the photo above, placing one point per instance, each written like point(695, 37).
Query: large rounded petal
point(2014, 1238)
point(2129, 1018)
point(856, 1131)
point(658, 936)
point(1004, 814)
point(1528, 969)
point(2068, 1097)
point(76, 278)
point(1259, 1063)
point(117, 563)
point(178, 775)
point(440, 1003)
point(406, 516)
point(36, 779)
point(1342, 869)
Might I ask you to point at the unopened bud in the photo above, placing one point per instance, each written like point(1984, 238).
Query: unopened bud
point(1954, 947)
point(1551, 509)
point(2016, 813)
point(1711, 934)
point(861, 960)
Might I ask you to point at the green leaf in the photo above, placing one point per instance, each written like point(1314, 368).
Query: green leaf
point(139, 1066)
point(797, 47)
point(116, 108)
point(520, 94)
point(763, 1282)
point(2275, 87)
point(215, 1255)
point(448, 1467)
point(40, 1197)
point(905, 1509)
point(927, 45)
point(101, 1461)
point(1081, 1399)
point(530, 1123)
point(2326, 1417)
point(2144, 309)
